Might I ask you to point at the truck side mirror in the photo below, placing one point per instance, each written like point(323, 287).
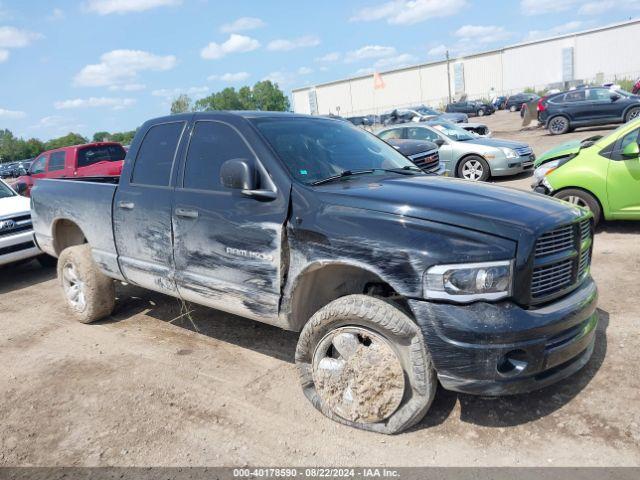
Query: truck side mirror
point(632, 150)
point(238, 173)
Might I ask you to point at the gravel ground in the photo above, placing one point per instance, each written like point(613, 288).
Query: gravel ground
point(150, 387)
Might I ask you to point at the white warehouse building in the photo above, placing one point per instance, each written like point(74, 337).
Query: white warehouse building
point(598, 55)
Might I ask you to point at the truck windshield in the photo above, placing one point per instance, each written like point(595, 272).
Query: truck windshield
point(103, 153)
point(5, 191)
point(316, 149)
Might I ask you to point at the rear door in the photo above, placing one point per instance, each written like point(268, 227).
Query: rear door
point(142, 210)
point(623, 179)
point(227, 245)
point(577, 106)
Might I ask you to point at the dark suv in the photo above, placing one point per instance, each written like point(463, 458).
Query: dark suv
point(584, 107)
point(514, 102)
point(471, 108)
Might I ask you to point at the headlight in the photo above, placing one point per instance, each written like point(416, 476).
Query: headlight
point(469, 282)
point(508, 152)
point(545, 169)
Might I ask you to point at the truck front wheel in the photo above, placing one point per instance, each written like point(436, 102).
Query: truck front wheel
point(89, 293)
point(364, 363)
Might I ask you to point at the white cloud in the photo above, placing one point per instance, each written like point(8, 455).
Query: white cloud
point(106, 7)
point(364, 71)
point(12, 37)
point(94, 102)
point(242, 24)
point(56, 124)
point(122, 67)
point(129, 87)
point(329, 57)
point(369, 52)
point(4, 113)
point(539, 7)
point(305, 71)
point(284, 45)
point(396, 61)
point(568, 27)
point(229, 77)
point(174, 92)
point(438, 51)
point(598, 8)
point(235, 44)
point(56, 14)
point(4, 55)
point(481, 34)
point(281, 78)
point(408, 12)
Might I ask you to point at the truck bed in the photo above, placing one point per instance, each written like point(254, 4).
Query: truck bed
point(84, 203)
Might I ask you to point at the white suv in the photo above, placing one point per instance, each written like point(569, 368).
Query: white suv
point(16, 233)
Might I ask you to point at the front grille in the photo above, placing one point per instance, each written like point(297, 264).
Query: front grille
point(561, 260)
point(22, 223)
point(427, 161)
point(16, 248)
point(523, 151)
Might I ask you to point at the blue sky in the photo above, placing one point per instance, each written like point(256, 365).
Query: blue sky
point(92, 65)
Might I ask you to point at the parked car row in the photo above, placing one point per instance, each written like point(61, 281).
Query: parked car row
point(391, 275)
point(14, 169)
point(472, 108)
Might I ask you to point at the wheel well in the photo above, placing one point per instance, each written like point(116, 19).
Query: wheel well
point(585, 191)
point(455, 171)
point(320, 285)
point(66, 234)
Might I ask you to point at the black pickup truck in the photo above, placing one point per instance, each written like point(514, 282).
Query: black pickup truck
point(396, 279)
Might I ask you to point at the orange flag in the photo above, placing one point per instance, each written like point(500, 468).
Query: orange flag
point(378, 83)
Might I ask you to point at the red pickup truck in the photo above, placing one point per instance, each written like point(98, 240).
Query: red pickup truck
point(89, 160)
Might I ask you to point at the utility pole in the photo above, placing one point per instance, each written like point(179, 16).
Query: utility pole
point(448, 77)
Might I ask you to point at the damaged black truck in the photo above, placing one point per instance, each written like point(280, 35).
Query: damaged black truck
point(396, 279)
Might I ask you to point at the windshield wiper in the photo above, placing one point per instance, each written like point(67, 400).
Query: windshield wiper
point(406, 170)
point(343, 174)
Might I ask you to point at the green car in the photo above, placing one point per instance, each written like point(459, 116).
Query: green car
point(599, 173)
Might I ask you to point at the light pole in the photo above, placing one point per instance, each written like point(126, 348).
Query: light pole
point(448, 77)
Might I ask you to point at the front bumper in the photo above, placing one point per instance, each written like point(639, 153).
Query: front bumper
point(471, 345)
point(21, 246)
point(512, 166)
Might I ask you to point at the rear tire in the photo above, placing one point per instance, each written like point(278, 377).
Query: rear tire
point(90, 294)
point(474, 168)
point(363, 363)
point(513, 108)
point(582, 199)
point(632, 114)
point(559, 125)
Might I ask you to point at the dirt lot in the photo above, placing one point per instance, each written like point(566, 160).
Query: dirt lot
point(149, 387)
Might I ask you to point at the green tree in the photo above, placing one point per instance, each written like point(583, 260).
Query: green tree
point(66, 141)
point(267, 96)
point(124, 138)
point(101, 137)
point(181, 104)
point(264, 95)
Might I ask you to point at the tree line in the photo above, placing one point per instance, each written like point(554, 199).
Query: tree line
point(264, 95)
point(13, 148)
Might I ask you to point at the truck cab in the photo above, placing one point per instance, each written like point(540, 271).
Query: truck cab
point(89, 160)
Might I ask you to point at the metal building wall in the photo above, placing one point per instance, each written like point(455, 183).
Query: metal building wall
point(598, 55)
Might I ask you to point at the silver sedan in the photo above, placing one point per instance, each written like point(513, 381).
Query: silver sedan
point(464, 154)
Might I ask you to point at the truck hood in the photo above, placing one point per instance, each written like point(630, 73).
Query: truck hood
point(567, 148)
point(500, 211)
point(13, 205)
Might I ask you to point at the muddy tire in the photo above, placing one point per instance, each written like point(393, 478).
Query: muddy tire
point(582, 199)
point(363, 363)
point(90, 295)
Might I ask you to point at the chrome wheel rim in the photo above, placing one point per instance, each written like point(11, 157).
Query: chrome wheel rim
point(480, 113)
point(472, 170)
point(358, 375)
point(558, 125)
point(73, 287)
point(634, 114)
point(575, 200)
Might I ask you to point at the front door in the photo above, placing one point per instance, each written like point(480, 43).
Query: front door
point(227, 245)
point(142, 211)
point(623, 180)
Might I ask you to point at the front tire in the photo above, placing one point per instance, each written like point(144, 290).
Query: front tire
point(90, 294)
point(582, 199)
point(513, 108)
point(363, 363)
point(481, 112)
point(632, 114)
point(474, 168)
point(559, 125)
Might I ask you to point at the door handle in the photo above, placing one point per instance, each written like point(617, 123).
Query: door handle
point(186, 213)
point(126, 205)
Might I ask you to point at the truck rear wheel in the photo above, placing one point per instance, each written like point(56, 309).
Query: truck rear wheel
point(364, 363)
point(89, 293)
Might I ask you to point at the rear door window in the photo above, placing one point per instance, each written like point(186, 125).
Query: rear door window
point(56, 161)
point(155, 158)
point(104, 153)
point(576, 96)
